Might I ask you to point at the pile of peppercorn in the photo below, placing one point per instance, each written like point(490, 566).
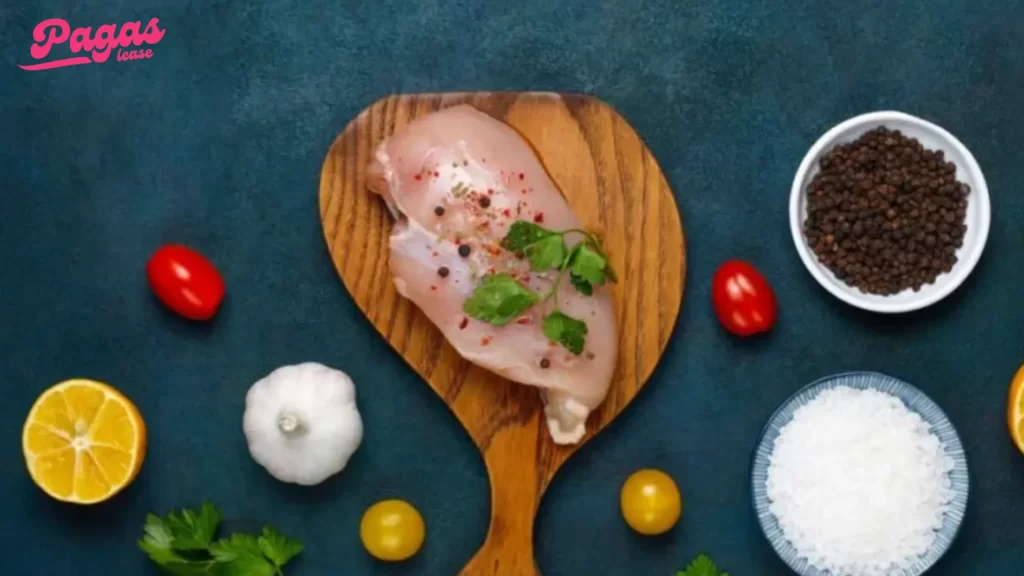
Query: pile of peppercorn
point(884, 214)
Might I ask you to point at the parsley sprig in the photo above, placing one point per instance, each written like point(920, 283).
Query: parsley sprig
point(499, 298)
point(701, 566)
point(183, 544)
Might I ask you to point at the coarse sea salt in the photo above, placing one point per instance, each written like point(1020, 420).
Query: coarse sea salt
point(859, 483)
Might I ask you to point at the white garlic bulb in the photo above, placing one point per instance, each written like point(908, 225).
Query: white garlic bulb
point(302, 423)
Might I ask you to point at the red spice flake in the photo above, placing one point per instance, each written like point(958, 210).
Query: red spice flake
point(418, 177)
point(432, 287)
point(506, 213)
point(485, 340)
point(490, 191)
point(538, 217)
point(490, 270)
point(464, 323)
point(523, 320)
point(521, 175)
point(436, 174)
point(434, 254)
point(524, 190)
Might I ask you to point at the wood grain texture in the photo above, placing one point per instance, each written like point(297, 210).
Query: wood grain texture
point(615, 187)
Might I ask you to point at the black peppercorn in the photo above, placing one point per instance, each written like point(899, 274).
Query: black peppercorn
point(485, 202)
point(464, 250)
point(442, 271)
point(545, 363)
point(439, 210)
point(884, 214)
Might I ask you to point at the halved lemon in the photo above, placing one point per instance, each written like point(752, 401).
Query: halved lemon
point(1015, 409)
point(83, 441)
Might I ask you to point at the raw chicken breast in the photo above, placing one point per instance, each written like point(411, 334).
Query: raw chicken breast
point(457, 179)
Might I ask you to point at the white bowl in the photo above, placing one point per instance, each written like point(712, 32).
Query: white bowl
point(914, 400)
point(932, 137)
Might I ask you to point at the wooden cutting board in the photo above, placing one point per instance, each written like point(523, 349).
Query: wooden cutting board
point(614, 185)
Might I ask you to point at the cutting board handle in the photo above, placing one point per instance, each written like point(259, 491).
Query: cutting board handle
point(516, 490)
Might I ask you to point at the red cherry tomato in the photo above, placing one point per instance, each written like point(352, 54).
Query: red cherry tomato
point(185, 281)
point(743, 300)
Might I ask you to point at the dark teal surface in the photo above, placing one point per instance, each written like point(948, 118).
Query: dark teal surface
point(217, 141)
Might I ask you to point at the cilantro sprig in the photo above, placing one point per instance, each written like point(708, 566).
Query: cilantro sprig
point(499, 298)
point(183, 544)
point(701, 566)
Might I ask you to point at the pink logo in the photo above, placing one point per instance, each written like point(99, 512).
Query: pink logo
point(98, 46)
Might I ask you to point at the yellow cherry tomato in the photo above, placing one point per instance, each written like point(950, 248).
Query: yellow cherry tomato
point(651, 503)
point(392, 530)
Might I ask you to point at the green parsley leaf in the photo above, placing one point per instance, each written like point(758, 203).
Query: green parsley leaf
point(587, 264)
point(499, 299)
point(521, 234)
point(251, 566)
point(277, 547)
point(193, 568)
point(566, 330)
point(242, 556)
point(585, 288)
point(182, 544)
point(546, 253)
point(701, 566)
point(194, 530)
point(227, 549)
point(157, 540)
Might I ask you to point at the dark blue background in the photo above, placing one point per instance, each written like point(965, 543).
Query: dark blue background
point(217, 141)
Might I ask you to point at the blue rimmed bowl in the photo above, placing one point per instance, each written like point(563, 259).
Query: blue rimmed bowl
point(914, 400)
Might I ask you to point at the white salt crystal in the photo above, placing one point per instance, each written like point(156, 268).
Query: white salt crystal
point(858, 482)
